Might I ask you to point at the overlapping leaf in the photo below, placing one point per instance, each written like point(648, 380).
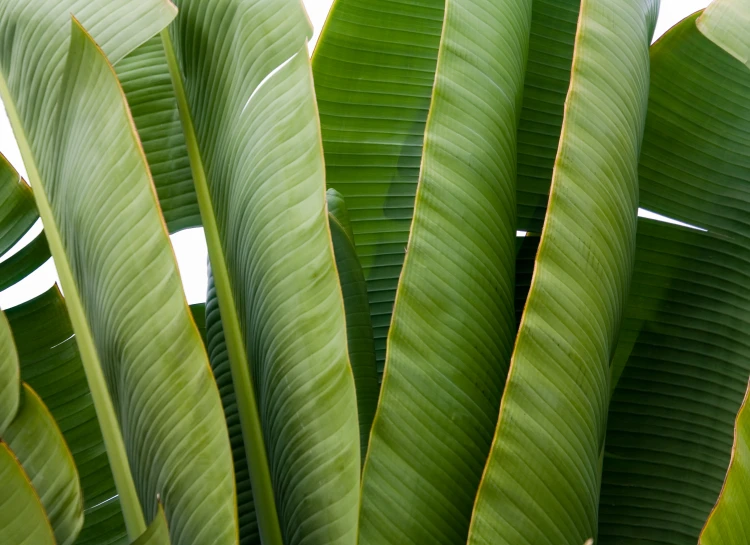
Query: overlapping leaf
point(541, 483)
point(51, 365)
point(245, 92)
point(144, 75)
point(682, 360)
point(454, 322)
point(374, 68)
point(359, 332)
point(22, 517)
point(112, 252)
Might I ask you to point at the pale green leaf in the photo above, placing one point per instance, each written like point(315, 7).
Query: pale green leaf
point(245, 92)
point(454, 322)
point(374, 67)
point(541, 483)
point(726, 23)
point(36, 441)
point(22, 517)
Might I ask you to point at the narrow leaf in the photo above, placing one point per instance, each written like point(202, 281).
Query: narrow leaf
point(10, 376)
point(359, 333)
point(218, 355)
point(541, 483)
point(157, 533)
point(17, 210)
point(453, 323)
point(144, 75)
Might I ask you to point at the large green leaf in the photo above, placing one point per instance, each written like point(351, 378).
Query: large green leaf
point(116, 265)
point(729, 522)
point(22, 517)
point(725, 23)
point(683, 359)
point(359, 333)
point(51, 365)
point(36, 441)
point(246, 97)
point(374, 68)
point(541, 483)
point(553, 31)
point(454, 322)
point(218, 355)
point(144, 75)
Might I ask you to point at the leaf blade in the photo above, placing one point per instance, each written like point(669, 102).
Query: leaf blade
point(551, 444)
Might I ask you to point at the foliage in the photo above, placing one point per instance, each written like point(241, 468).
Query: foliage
point(381, 358)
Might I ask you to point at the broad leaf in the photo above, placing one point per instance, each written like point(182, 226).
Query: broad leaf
point(541, 483)
point(374, 68)
point(683, 360)
point(245, 93)
point(36, 441)
point(359, 333)
point(454, 322)
point(158, 407)
point(144, 75)
point(22, 517)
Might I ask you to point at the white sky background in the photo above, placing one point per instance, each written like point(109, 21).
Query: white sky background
point(190, 244)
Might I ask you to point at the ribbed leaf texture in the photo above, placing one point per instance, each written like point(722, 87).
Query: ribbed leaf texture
point(541, 483)
point(145, 78)
point(35, 440)
point(374, 68)
point(10, 376)
point(682, 360)
point(248, 103)
point(219, 357)
point(553, 32)
point(22, 517)
point(17, 209)
point(454, 322)
point(359, 332)
point(51, 365)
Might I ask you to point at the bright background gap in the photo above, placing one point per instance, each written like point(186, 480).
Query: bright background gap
point(190, 244)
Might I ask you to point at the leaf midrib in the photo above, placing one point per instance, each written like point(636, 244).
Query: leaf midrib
point(257, 459)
